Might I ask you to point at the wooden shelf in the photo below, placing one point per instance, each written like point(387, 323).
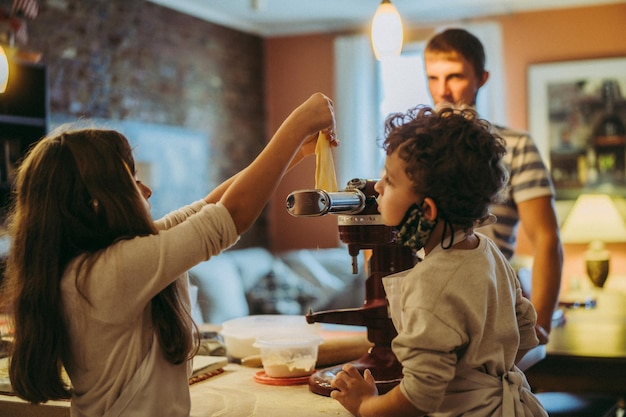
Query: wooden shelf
point(23, 121)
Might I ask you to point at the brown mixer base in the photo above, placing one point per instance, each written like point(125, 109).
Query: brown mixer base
point(383, 364)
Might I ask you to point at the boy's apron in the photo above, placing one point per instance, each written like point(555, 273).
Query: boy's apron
point(472, 392)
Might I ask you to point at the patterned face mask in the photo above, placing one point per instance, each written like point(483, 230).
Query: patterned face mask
point(415, 230)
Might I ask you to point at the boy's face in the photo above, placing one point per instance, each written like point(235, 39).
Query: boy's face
point(395, 191)
point(452, 79)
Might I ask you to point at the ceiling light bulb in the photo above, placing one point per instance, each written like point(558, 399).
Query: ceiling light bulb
point(387, 31)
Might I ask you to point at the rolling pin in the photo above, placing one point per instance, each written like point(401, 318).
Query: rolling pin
point(333, 350)
point(340, 349)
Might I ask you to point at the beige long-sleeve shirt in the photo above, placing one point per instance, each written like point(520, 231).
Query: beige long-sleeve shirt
point(458, 311)
point(114, 361)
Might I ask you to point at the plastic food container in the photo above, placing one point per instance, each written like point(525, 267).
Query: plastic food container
point(241, 333)
point(289, 356)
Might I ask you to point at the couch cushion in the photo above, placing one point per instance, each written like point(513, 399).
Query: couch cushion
point(330, 270)
point(309, 267)
point(253, 264)
point(221, 294)
point(196, 313)
point(282, 291)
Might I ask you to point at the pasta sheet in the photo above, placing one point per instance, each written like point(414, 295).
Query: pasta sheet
point(325, 177)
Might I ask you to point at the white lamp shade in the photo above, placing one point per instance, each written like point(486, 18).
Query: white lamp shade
point(387, 32)
point(4, 70)
point(594, 217)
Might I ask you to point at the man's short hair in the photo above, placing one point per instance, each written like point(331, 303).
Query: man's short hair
point(459, 41)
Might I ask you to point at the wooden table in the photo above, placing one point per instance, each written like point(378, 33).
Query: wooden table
point(588, 352)
point(233, 393)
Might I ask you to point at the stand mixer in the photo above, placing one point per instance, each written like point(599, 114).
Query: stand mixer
point(361, 228)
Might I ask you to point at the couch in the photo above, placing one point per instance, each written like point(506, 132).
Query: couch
point(240, 282)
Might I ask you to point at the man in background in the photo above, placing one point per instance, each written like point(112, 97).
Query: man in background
point(455, 68)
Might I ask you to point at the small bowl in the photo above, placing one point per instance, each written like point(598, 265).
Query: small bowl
point(289, 356)
point(240, 334)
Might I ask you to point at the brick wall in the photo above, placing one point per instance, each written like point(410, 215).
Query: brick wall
point(134, 60)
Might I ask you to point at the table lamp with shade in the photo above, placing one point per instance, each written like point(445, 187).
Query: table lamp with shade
point(596, 219)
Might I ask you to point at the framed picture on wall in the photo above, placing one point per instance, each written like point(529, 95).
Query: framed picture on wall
point(577, 116)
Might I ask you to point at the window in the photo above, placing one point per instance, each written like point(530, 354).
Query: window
point(403, 82)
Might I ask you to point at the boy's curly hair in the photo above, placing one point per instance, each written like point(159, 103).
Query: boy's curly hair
point(452, 156)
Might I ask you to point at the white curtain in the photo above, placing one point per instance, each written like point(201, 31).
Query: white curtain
point(356, 109)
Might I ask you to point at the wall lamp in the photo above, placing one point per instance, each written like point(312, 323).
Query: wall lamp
point(4, 70)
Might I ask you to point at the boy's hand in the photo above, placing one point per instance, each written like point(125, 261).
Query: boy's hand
point(351, 389)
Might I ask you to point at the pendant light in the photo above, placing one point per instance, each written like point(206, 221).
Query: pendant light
point(4, 70)
point(386, 31)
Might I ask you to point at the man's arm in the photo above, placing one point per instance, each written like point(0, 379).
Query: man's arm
point(538, 218)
